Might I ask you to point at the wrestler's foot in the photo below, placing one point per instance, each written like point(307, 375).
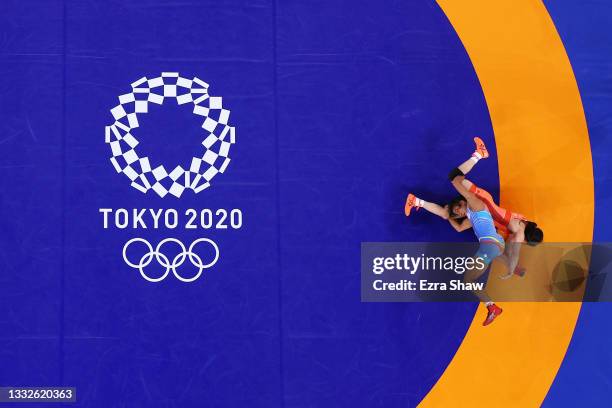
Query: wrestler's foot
point(492, 312)
point(481, 149)
point(520, 271)
point(411, 202)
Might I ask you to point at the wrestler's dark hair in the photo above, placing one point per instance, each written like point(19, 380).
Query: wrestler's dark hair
point(533, 234)
point(454, 202)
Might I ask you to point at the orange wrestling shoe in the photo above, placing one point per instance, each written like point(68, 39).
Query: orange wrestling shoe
point(481, 149)
point(410, 203)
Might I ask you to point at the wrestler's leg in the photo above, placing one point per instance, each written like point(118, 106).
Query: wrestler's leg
point(487, 252)
point(499, 214)
point(513, 249)
point(468, 185)
point(472, 276)
point(509, 259)
point(480, 153)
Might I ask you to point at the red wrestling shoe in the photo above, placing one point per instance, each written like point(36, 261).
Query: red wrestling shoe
point(493, 312)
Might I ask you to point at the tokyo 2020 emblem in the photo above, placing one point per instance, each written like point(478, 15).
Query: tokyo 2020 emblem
point(147, 174)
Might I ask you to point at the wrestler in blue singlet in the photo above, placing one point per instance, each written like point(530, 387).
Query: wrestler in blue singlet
point(491, 243)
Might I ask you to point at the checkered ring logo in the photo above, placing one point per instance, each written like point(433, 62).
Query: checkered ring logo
point(218, 135)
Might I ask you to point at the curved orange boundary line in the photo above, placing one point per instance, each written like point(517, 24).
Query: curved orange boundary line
point(545, 171)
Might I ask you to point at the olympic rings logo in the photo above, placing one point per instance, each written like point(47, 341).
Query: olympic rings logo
point(163, 260)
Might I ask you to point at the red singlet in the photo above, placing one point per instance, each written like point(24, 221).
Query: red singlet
point(501, 216)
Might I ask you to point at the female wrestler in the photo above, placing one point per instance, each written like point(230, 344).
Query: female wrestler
point(485, 217)
point(513, 227)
